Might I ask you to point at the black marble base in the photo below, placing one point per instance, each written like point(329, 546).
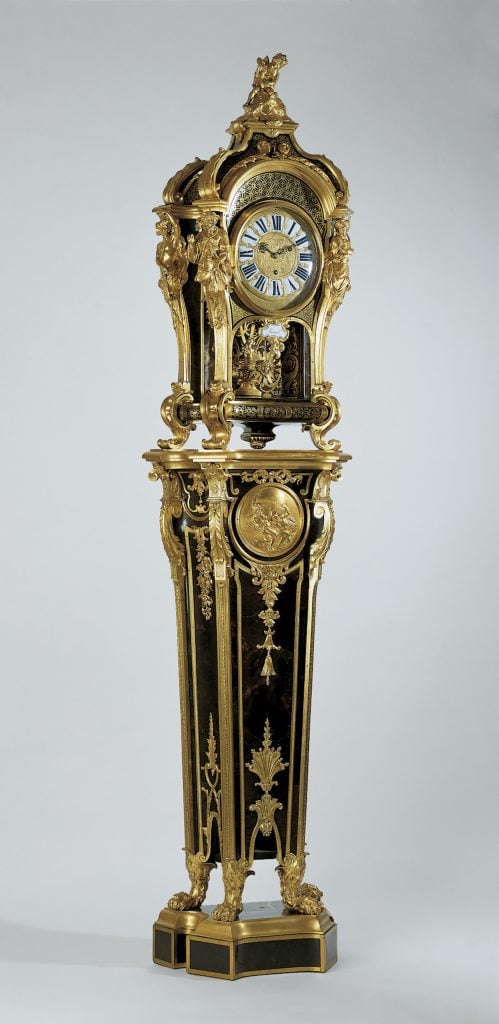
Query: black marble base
point(266, 939)
point(169, 949)
point(169, 936)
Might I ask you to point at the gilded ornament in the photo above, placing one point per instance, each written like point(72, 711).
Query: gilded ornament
point(336, 273)
point(211, 791)
point(263, 103)
point(269, 519)
point(198, 869)
point(171, 506)
point(199, 487)
point(306, 412)
point(216, 477)
point(256, 358)
point(323, 509)
point(172, 189)
point(266, 763)
point(331, 405)
point(213, 407)
point(269, 579)
point(221, 551)
point(171, 257)
point(298, 896)
point(210, 251)
point(170, 413)
point(277, 182)
point(204, 570)
point(235, 873)
point(271, 476)
point(221, 554)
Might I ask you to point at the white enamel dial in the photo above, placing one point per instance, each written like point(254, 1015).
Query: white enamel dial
point(277, 257)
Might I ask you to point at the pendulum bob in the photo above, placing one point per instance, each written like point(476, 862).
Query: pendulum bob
point(246, 535)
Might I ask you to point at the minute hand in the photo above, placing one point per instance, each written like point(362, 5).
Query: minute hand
point(285, 248)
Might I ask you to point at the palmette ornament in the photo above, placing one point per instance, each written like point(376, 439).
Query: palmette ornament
point(253, 262)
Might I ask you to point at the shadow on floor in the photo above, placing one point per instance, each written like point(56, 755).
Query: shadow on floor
point(41, 945)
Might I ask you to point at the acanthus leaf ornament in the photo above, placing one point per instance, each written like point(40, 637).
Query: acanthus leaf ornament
point(266, 763)
point(321, 395)
point(213, 405)
point(323, 509)
point(171, 506)
point(181, 395)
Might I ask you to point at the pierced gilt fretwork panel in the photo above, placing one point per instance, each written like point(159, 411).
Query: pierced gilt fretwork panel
point(277, 185)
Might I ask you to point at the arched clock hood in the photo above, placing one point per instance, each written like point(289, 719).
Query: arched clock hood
point(230, 298)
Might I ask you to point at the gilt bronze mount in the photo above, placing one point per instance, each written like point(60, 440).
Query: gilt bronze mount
point(253, 263)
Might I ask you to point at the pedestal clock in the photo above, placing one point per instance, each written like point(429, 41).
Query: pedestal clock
point(253, 255)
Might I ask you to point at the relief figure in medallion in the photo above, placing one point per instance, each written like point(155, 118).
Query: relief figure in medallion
point(276, 525)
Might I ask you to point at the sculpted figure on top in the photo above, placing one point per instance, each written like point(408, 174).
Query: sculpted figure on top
point(263, 103)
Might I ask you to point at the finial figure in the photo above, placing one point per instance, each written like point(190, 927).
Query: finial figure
point(263, 103)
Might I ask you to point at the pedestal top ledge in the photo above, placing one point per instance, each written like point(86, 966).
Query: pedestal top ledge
point(247, 458)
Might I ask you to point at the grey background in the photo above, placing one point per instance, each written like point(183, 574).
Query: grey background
point(101, 102)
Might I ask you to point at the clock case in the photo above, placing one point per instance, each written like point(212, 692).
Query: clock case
point(217, 326)
point(246, 533)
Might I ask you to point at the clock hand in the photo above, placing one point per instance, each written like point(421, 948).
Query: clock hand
point(264, 248)
point(285, 248)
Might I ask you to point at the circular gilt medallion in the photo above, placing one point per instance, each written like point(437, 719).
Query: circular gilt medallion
point(269, 520)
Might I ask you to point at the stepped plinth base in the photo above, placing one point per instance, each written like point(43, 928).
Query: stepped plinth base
point(265, 939)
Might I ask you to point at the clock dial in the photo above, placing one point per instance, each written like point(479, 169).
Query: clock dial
point(277, 257)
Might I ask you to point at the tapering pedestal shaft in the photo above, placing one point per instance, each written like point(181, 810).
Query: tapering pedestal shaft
point(246, 535)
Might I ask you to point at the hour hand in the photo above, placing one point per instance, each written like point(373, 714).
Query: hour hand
point(263, 247)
